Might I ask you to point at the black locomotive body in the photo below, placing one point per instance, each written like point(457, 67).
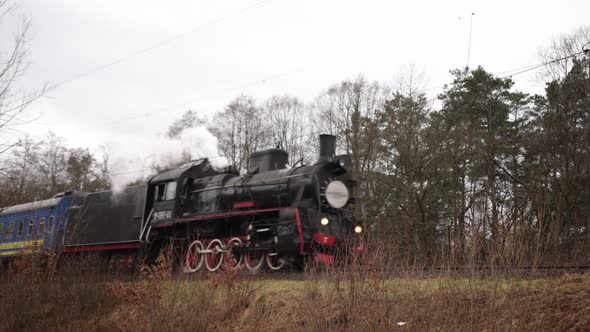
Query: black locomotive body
point(272, 213)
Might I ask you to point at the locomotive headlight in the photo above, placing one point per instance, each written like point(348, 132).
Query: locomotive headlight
point(337, 194)
point(358, 229)
point(324, 221)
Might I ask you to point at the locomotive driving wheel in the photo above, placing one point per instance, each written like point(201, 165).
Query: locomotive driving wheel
point(194, 256)
point(274, 261)
point(214, 252)
point(237, 255)
point(254, 259)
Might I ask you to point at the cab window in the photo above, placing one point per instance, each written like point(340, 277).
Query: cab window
point(186, 187)
point(160, 192)
point(171, 191)
point(21, 227)
point(1, 229)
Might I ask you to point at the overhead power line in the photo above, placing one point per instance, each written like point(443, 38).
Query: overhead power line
point(154, 46)
point(194, 99)
point(517, 71)
point(520, 70)
point(533, 67)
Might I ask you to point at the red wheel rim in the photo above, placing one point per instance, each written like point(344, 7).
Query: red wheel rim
point(194, 259)
point(214, 258)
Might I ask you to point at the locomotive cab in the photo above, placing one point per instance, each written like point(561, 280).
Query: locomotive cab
point(169, 192)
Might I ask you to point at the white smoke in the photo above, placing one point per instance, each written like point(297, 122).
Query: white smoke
point(134, 157)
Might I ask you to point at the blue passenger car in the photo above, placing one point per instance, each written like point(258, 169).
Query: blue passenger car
point(37, 226)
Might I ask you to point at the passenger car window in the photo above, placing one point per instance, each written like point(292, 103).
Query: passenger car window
point(9, 230)
point(42, 225)
point(31, 225)
point(50, 225)
point(21, 227)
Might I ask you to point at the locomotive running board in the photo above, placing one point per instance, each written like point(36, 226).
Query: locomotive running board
point(104, 246)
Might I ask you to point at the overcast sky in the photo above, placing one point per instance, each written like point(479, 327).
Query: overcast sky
point(177, 55)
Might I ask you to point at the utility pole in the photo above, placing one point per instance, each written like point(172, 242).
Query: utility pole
point(469, 46)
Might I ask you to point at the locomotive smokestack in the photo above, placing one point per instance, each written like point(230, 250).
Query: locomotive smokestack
point(327, 148)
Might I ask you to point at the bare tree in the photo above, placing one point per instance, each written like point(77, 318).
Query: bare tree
point(13, 63)
point(410, 82)
point(79, 166)
point(348, 110)
point(20, 178)
point(189, 119)
point(285, 117)
point(239, 130)
point(52, 163)
point(102, 171)
point(558, 55)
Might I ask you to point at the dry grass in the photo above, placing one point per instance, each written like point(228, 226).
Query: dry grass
point(350, 297)
point(34, 297)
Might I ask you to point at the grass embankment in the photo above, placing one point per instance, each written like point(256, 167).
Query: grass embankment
point(356, 301)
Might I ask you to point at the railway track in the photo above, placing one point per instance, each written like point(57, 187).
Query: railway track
point(424, 272)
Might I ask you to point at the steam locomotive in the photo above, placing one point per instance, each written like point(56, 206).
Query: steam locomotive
point(272, 215)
